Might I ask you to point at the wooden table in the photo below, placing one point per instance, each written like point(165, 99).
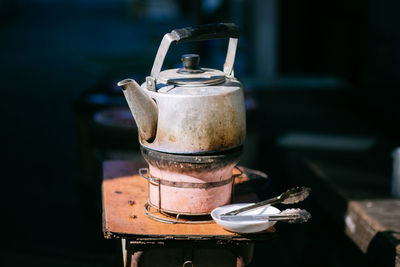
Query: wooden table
point(358, 199)
point(124, 194)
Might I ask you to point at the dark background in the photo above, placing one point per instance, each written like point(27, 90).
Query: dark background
point(325, 67)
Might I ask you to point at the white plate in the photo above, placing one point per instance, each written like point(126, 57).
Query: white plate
point(247, 226)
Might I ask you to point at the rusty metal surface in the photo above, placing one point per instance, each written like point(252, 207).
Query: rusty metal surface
point(191, 163)
point(124, 194)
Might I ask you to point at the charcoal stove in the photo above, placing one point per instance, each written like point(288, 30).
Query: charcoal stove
point(190, 185)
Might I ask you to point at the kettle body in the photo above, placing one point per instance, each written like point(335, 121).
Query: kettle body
point(199, 120)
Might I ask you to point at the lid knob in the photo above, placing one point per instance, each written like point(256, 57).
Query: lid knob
point(190, 61)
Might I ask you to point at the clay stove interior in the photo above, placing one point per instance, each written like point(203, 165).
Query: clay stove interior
point(190, 185)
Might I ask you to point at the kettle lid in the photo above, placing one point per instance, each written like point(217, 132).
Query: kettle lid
point(191, 74)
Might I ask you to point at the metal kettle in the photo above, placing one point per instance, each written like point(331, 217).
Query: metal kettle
point(190, 110)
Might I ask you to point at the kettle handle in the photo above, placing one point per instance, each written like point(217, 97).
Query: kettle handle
point(197, 33)
point(207, 32)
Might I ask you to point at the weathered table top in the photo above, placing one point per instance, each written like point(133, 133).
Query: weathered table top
point(124, 194)
point(359, 199)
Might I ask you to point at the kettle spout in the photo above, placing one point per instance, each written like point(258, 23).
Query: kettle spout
point(143, 108)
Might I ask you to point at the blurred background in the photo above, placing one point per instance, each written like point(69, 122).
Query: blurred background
point(320, 78)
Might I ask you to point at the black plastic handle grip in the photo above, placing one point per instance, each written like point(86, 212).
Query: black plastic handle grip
point(207, 32)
